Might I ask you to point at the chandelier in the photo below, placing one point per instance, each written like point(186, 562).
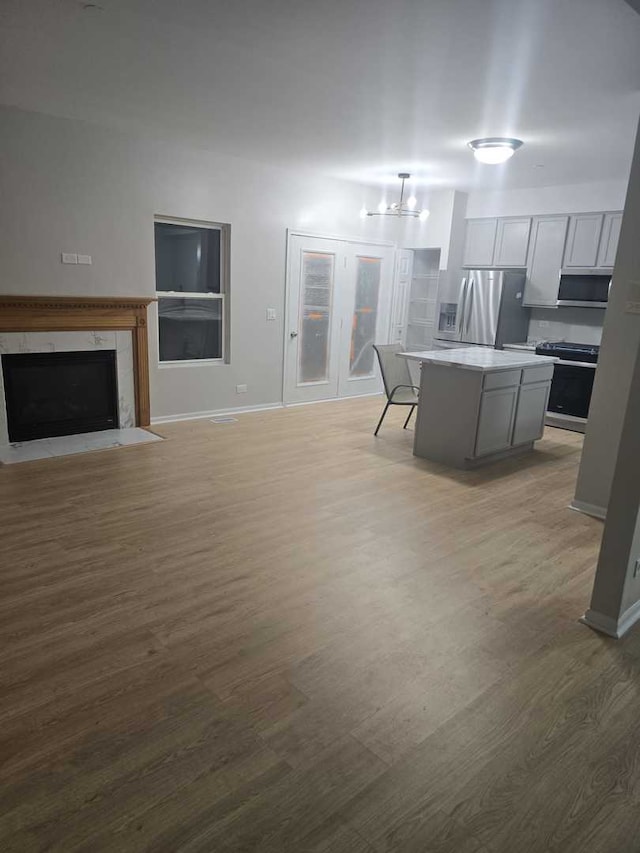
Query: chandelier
point(399, 208)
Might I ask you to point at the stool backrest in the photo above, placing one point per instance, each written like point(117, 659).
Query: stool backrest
point(395, 371)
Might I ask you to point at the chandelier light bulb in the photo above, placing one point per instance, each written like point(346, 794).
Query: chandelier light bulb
point(494, 149)
point(399, 209)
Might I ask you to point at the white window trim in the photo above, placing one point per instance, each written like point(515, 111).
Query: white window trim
point(223, 296)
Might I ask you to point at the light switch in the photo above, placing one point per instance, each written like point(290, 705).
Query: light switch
point(69, 258)
point(84, 259)
point(271, 313)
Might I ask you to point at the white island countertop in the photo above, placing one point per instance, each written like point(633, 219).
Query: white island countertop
point(483, 359)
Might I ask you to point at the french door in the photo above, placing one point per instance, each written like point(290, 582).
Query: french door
point(339, 303)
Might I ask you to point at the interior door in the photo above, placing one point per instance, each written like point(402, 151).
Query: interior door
point(400, 298)
point(316, 277)
point(339, 304)
point(367, 317)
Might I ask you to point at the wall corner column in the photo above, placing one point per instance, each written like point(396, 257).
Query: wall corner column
point(615, 602)
point(620, 343)
point(609, 475)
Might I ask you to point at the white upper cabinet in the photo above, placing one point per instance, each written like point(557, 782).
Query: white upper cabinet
point(548, 235)
point(583, 240)
point(544, 245)
point(480, 242)
point(609, 239)
point(512, 242)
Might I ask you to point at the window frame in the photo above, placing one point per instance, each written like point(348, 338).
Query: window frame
point(222, 296)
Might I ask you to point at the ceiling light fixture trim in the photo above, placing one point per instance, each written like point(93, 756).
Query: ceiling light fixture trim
point(399, 208)
point(494, 149)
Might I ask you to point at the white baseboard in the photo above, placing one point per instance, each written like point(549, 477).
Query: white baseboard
point(195, 416)
point(612, 627)
point(589, 509)
point(333, 399)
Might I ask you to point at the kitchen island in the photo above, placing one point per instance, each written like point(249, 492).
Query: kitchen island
point(478, 405)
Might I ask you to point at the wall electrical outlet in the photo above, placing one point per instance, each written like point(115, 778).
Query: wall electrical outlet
point(544, 324)
point(84, 259)
point(271, 313)
point(69, 258)
point(241, 389)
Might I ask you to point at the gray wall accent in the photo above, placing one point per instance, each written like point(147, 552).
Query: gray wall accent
point(620, 344)
point(578, 325)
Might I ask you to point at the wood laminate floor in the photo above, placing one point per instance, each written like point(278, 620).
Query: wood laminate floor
point(282, 634)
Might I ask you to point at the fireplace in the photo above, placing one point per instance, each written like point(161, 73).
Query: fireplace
point(60, 393)
point(22, 318)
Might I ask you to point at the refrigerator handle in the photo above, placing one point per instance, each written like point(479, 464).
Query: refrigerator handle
point(470, 304)
point(461, 308)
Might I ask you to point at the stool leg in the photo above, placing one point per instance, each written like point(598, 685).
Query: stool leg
point(406, 423)
point(382, 418)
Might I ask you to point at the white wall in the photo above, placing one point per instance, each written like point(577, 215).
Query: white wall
point(440, 231)
point(76, 187)
point(572, 198)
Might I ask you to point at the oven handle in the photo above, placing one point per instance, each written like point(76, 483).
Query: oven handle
point(577, 363)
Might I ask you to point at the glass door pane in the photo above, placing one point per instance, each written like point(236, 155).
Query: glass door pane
point(364, 302)
point(365, 316)
point(315, 316)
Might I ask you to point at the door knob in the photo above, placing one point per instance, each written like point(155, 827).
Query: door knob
point(293, 334)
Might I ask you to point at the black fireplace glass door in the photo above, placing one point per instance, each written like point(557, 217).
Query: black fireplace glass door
point(60, 393)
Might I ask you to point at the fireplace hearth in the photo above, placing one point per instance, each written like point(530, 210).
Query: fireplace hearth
point(60, 393)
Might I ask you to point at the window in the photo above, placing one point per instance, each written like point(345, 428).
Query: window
point(192, 290)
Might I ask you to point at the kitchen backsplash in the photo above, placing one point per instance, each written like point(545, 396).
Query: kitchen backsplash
point(578, 325)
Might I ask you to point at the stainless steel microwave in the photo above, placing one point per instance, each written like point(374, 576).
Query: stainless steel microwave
point(584, 289)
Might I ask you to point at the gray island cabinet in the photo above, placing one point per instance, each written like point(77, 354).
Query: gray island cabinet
point(478, 405)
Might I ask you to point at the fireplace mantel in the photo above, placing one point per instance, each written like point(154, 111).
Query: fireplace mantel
point(78, 313)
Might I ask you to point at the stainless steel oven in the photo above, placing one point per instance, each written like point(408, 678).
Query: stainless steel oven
point(584, 289)
point(572, 383)
point(571, 389)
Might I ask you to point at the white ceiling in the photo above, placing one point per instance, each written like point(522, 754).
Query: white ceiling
point(355, 88)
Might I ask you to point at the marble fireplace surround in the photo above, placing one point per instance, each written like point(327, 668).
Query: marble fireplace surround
point(64, 324)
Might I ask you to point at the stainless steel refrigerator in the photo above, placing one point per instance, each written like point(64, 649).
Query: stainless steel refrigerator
point(488, 311)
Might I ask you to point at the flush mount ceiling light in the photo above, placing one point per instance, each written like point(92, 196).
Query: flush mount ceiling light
point(494, 149)
point(399, 208)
